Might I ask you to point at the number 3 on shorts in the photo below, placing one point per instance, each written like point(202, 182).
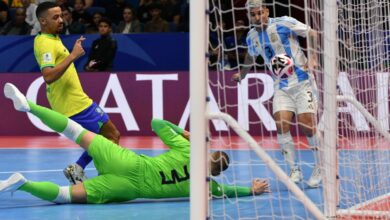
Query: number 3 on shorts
point(310, 96)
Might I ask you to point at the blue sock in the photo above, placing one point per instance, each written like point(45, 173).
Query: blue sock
point(84, 160)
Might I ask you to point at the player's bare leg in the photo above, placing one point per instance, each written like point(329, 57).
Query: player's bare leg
point(283, 123)
point(307, 123)
point(79, 195)
point(109, 131)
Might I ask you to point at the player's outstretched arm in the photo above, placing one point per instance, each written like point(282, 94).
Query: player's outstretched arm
point(172, 135)
point(52, 119)
point(51, 74)
point(259, 186)
point(248, 62)
point(313, 45)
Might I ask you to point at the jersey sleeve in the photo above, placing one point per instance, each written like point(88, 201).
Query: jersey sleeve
point(296, 26)
point(249, 40)
point(170, 134)
point(221, 190)
point(45, 54)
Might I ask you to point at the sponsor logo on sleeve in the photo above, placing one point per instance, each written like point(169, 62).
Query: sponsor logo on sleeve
point(47, 57)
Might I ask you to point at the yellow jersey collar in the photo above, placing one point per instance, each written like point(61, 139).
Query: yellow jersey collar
point(53, 36)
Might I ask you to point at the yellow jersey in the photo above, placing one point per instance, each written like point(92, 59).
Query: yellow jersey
point(65, 95)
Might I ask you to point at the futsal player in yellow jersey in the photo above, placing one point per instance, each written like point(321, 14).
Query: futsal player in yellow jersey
point(63, 87)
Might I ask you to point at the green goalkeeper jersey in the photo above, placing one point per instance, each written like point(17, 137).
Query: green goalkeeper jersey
point(125, 175)
point(168, 175)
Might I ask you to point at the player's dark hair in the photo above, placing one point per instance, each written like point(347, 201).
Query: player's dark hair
point(225, 161)
point(221, 162)
point(43, 7)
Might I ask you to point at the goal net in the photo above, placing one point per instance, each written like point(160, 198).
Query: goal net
point(363, 146)
point(358, 176)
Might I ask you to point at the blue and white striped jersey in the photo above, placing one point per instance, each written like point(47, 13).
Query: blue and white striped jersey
point(281, 37)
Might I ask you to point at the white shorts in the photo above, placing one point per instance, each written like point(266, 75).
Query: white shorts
point(301, 98)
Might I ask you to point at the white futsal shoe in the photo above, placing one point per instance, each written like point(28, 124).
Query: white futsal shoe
point(19, 100)
point(296, 175)
point(75, 174)
point(315, 178)
point(13, 183)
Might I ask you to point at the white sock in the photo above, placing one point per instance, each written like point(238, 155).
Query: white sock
point(288, 149)
point(314, 144)
point(73, 130)
point(63, 195)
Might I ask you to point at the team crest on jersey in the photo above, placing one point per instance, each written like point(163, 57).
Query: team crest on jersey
point(47, 57)
point(274, 37)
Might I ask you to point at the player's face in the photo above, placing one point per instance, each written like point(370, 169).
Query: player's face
point(259, 16)
point(51, 21)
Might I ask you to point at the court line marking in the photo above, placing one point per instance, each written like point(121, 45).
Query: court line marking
point(234, 164)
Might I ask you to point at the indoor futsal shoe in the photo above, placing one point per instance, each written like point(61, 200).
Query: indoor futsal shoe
point(14, 182)
point(19, 100)
point(315, 178)
point(74, 173)
point(296, 175)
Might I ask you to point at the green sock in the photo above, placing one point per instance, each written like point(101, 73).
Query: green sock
point(52, 119)
point(58, 122)
point(44, 190)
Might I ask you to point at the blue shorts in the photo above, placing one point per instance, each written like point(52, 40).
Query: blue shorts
point(92, 118)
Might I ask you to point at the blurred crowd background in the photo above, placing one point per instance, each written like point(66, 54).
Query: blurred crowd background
point(17, 17)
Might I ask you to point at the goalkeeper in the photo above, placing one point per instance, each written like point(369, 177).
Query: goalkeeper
point(123, 175)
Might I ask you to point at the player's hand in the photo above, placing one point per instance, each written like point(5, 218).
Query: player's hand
point(260, 186)
point(313, 64)
point(186, 134)
point(237, 77)
point(78, 49)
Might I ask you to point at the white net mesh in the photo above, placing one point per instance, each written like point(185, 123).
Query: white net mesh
point(363, 154)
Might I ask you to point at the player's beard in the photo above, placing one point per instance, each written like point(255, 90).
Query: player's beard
point(60, 27)
point(260, 27)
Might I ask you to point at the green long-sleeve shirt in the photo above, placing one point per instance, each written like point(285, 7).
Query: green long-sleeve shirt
point(168, 175)
point(125, 175)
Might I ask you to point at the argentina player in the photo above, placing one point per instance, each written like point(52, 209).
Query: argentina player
point(295, 94)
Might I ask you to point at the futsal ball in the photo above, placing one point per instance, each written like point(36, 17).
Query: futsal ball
point(282, 66)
